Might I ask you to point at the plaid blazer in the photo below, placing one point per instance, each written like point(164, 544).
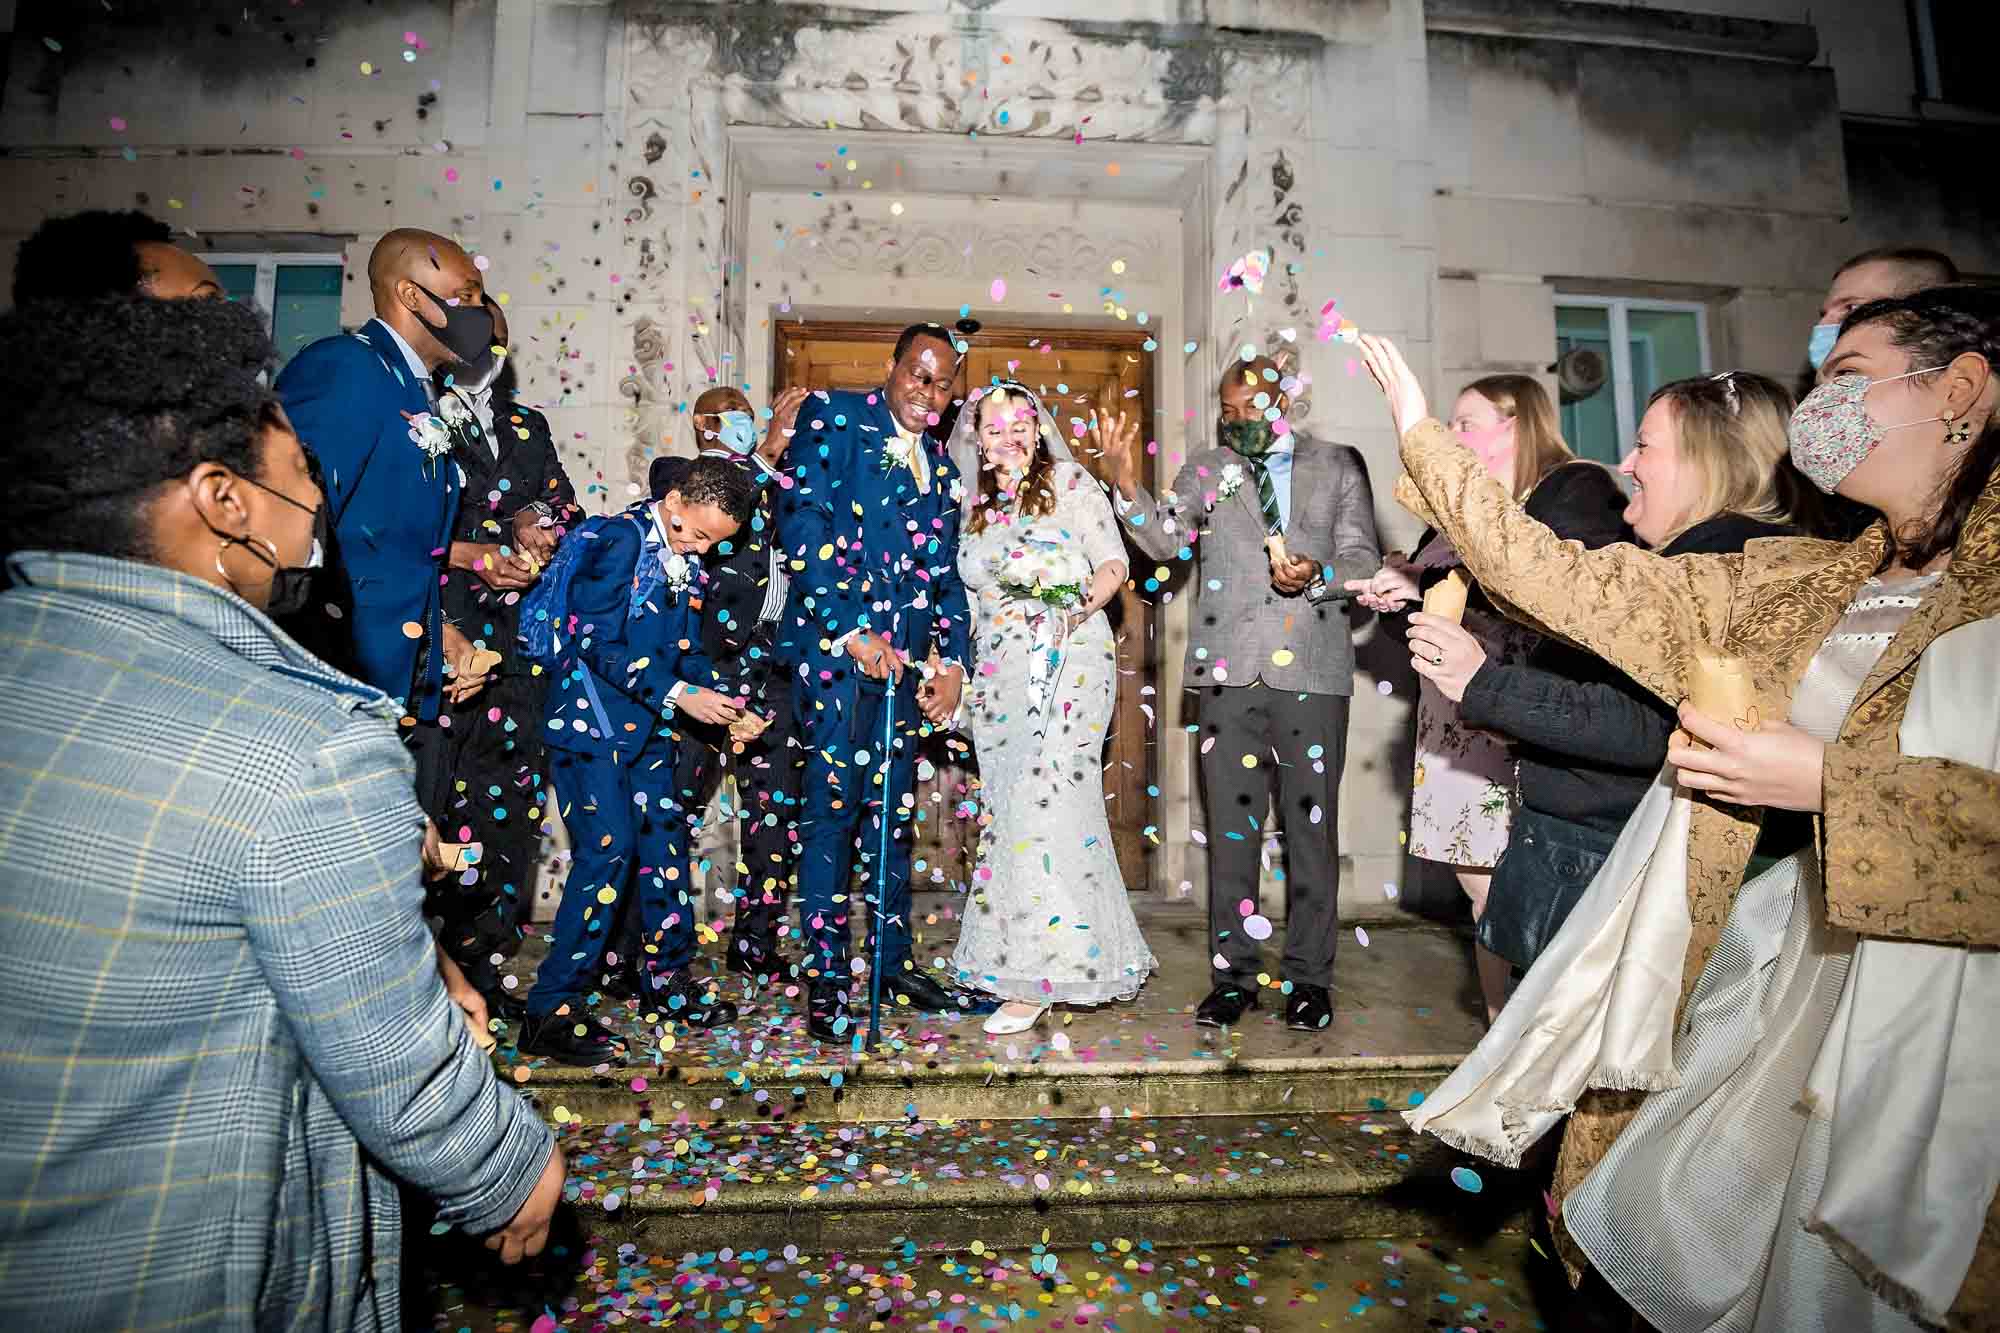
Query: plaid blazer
point(221, 1021)
point(1243, 630)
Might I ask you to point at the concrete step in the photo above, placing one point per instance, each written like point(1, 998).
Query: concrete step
point(967, 1184)
point(900, 1089)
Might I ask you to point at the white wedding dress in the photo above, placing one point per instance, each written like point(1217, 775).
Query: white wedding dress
point(1046, 920)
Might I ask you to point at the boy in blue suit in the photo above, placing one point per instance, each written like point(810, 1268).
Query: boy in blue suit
point(871, 526)
point(362, 402)
point(632, 663)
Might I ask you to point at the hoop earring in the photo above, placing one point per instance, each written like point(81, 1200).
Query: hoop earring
point(242, 541)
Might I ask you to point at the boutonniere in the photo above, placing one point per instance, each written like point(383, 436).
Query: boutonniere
point(958, 490)
point(1232, 480)
point(679, 570)
point(899, 452)
point(454, 411)
point(430, 434)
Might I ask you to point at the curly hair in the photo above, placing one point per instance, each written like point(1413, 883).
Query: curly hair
point(84, 256)
point(722, 482)
point(1936, 326)
point(114, 397)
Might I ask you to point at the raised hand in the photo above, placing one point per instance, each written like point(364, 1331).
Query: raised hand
point(1776, 765)
point(1116, 436)
point(784, 417)
point(1397, 381)
point(1389, 588)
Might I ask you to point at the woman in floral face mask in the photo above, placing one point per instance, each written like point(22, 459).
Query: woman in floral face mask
point(1463, 790)
point(1816, 1150)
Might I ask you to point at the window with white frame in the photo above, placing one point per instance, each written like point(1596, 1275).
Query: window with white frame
point(298, 293)
point(1642, 344)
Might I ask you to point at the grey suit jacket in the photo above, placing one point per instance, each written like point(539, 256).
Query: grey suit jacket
point(1244, 630)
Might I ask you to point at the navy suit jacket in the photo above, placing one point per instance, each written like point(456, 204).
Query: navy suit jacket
point(868, 549)
point(390, 505)
point(742, 650)
point(610, 690)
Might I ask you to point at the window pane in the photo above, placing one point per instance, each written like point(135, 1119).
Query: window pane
point(239, 281)
point(1666, 346)
point(308, 306)
point(1589, 425)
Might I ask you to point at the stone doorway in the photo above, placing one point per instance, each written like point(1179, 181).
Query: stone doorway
point(1076, 372)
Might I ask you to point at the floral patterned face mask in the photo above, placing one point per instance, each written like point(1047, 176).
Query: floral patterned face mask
point(1831, 431)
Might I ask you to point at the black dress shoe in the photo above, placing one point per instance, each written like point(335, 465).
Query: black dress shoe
point(754, 959)
point(826, 1008)
point(683, 999)
point(556, 1037)
point(920, 990)
point(1224, 1005)
point(1308, 1008)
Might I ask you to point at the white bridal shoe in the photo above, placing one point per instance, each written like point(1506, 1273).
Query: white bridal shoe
point(1010, 1018)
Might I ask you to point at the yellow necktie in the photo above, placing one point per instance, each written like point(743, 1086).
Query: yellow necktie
point(919, 464)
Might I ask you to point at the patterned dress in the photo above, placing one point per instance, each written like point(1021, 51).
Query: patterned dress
point(1463, 794)
point(1047, 920)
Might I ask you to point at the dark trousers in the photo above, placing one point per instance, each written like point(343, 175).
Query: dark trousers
point(628, 839)
point(768, 773)
point(841, 817)
point(1304, 738)
point(483, 779)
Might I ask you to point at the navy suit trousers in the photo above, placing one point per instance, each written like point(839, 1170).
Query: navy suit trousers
point(840, 821)
point(636, 851)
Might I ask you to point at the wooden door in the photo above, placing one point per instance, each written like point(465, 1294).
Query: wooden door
point(1075, 373)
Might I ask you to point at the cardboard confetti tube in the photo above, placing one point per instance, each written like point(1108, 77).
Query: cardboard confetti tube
point(1275, 545)
point(1720, 686)
point(1446, 597)
point(454, 855)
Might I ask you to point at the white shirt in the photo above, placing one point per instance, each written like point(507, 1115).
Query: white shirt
point(418, 369)
point(779, 581)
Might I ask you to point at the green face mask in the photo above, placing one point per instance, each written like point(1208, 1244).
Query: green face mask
point(1251, 439)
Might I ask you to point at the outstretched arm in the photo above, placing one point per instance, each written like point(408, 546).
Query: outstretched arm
point(1643, 613)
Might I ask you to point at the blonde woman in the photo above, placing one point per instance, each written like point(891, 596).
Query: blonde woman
point(1708, 474)
point(1463, 790)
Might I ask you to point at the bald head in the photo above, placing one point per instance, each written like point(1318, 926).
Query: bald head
point(417, 279)
point(708, 411)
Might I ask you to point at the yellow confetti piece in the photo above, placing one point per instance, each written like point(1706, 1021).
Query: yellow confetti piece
point(1283, 657)
point(826, 551)
point(1249, 761)
point(366, 69)
point(607, 894)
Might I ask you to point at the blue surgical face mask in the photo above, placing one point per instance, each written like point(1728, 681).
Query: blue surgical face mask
point(1820, 346)
point(737, 431)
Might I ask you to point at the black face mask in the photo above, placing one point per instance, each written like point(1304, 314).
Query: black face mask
point(467, 332)
point(291, 585)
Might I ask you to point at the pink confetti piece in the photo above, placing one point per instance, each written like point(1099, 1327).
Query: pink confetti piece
point(999, 290)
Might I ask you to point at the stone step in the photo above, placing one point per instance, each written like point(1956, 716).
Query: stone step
point(898, 1089)
point(966, 1184)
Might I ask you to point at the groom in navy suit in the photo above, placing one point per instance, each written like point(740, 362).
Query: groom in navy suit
point(876, 612)
point(363, 403)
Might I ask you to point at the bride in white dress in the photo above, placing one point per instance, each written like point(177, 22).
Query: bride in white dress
point(1046, 920)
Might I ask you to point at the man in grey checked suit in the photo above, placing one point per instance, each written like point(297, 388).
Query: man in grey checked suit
point(1271, 659)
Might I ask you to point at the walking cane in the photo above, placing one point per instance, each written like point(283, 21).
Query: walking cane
point(881, 873)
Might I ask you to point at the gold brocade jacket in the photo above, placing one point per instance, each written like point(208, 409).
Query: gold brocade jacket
point(1911, 847)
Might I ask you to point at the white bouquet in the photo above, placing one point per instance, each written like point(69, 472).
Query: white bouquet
point(1041, 570)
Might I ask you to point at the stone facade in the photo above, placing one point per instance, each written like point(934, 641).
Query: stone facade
point(656, 183)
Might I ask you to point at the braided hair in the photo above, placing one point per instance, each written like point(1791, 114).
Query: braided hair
point(1935, 326)
point(111, 398)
